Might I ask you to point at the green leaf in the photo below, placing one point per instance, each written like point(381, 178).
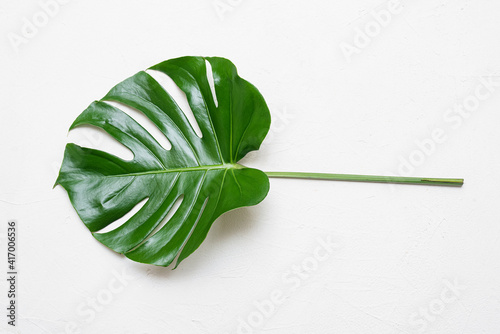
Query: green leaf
point(203, 172)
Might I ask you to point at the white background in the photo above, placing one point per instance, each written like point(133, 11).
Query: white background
point(398, 248)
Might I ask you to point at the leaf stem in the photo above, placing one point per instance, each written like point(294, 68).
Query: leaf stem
point(369, 178)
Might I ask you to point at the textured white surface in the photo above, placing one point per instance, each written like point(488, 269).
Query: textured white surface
point(397, 249)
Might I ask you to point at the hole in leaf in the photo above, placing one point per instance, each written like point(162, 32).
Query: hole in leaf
point(119, 222)
point(165, 220)
point(179, 97)
point(169, 215)
point(211, 83)
point(145, 122)
point(96, 138)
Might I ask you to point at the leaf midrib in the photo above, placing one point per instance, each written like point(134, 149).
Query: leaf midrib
point(181, 170)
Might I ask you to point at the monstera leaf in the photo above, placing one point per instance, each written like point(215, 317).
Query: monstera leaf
point(202, 171)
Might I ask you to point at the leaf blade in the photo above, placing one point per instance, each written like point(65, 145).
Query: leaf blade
point(102, 188)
